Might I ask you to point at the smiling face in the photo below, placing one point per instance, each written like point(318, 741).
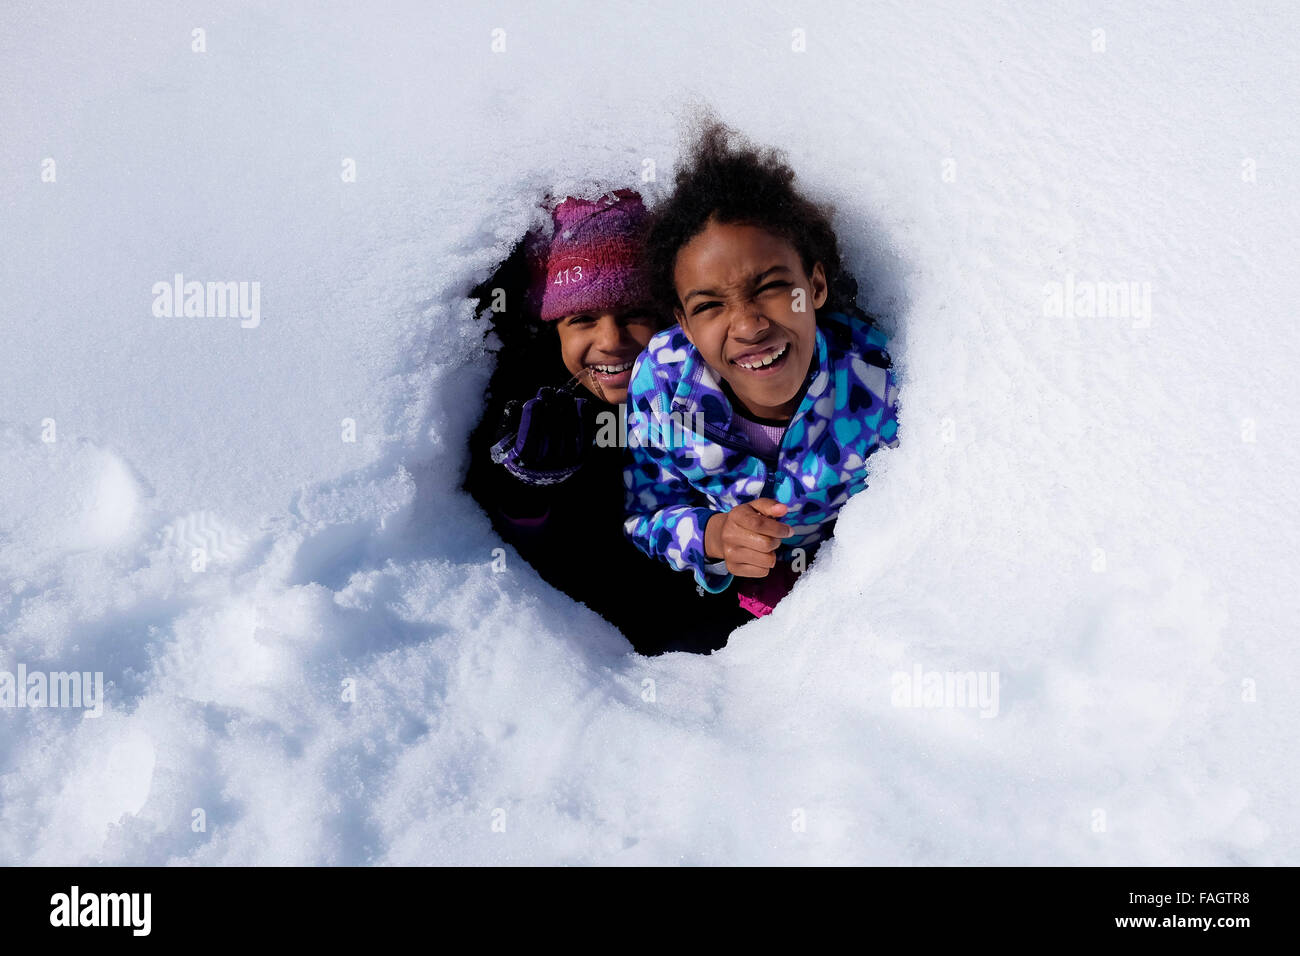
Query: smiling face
point(602, 345)
point(739, 287)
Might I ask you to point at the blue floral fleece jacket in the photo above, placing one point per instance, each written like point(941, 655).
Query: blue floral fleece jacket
point(677, 480)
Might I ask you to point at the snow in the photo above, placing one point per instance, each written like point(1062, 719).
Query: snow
point(1101, 511)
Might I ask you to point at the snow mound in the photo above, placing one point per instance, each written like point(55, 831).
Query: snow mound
point(1056, 629)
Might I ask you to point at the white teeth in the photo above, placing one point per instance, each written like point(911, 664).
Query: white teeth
point(767, 359)
point(612, 369)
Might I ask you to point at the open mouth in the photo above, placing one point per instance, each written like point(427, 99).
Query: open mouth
point(764, 361)
point(612, 376)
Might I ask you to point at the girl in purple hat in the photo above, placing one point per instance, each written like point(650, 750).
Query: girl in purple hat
point(579, 312)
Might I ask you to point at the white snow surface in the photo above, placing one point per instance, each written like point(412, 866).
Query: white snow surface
point(1100, 510)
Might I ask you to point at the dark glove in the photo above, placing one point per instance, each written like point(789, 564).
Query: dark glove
point(545, 439)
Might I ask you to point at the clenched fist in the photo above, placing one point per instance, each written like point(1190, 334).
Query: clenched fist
point(747, 537)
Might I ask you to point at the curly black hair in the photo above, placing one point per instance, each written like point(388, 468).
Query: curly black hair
point(729, 180)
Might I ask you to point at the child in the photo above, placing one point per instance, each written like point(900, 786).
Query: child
point(793, 383)
point(551, 488)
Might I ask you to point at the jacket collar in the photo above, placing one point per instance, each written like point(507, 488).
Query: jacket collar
point(699, 380)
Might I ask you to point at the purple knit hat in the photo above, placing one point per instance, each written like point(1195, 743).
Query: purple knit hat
point(594, 257)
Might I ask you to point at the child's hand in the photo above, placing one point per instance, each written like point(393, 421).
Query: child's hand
point(747, 536)
point(545, 439)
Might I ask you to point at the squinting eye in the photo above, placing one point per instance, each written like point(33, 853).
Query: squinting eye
point(772, 286)
point(705, 306)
